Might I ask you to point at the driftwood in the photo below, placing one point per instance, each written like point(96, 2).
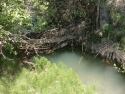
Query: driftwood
point(50, 40)
point(109, 50)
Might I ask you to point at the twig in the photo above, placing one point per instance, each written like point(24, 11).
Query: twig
point(96, 55)
point(80, 60)
point(29, 63)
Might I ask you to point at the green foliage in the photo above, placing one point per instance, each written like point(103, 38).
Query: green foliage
point(55, 79)
point(122, 43)
point(70, 12)
point(105, 27)
point(7, 48)
point(40, 64)
point(1, 32)
point(121, 68)
point(13, 17)
point(94, 38)
point(10, 48)
point(40, 14)
point(117, 20)
point(7, 65)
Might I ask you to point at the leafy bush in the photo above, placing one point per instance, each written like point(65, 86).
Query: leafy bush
point(16, 16)
point(13, 17)
point(47, 78)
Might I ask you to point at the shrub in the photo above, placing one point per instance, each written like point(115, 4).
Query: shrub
point(47, 78)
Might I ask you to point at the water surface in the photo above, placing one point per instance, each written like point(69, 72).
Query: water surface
point(91, 70)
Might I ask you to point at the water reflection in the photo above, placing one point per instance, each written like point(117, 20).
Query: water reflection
point(91, 70)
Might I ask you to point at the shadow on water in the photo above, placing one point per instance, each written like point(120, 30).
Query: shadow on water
point(91, 70)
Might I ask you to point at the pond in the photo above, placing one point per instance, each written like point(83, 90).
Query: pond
point(91, 70)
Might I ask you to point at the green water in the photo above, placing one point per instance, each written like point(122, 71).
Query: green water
point(91, 70)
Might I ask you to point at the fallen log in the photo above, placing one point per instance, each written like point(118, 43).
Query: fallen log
point(53, 40)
